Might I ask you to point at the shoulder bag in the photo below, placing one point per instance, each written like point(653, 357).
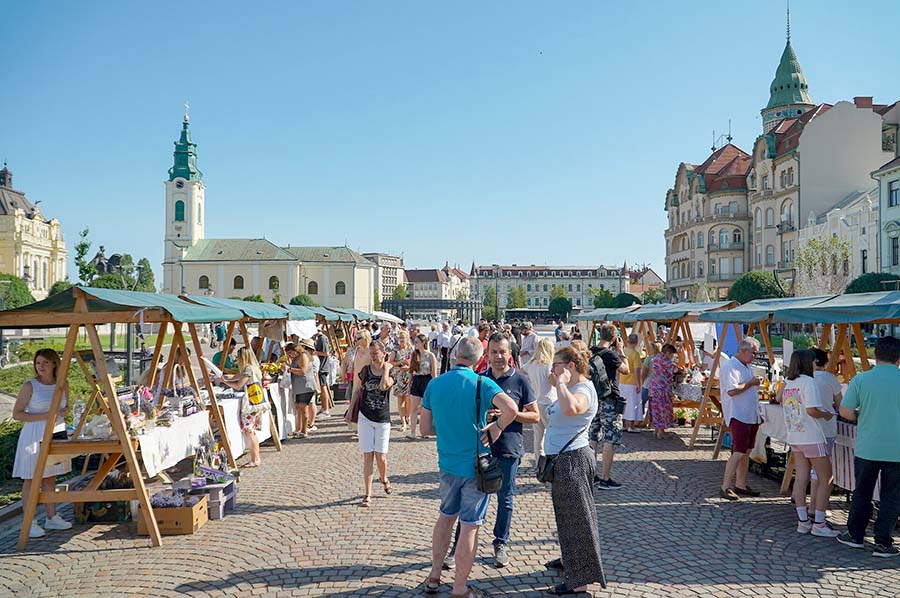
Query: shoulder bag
point(354, 411)
point(488, 473)
point(546, 463)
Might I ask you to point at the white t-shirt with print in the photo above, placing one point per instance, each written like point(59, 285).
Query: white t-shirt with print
point(829, 387)
point(799, 395)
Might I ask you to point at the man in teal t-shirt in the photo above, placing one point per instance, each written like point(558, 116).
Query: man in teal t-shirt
point(448, 410)
point(873, 400)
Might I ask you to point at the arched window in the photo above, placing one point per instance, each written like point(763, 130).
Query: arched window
point(179, 211)
point(770, 255)
point(700, 268)
point(692, 240)
point(770, 217)
point(757, 218)
point(699, 239)
point(238, 282)
point(736, 236)
point(723, 237)
point(787, 212)
point(528, 287)
point(203, 283)
point(312, 288)
point(340, 288)
point(273, 283)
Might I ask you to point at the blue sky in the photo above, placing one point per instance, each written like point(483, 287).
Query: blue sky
point(510, 132)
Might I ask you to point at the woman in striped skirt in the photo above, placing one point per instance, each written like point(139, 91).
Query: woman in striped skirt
point(572, 490)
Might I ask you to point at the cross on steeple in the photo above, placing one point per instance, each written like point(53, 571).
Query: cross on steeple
point(187, 107)
point(789, 21)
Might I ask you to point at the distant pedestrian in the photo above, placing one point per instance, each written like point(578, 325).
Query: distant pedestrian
point(528, 344)
point(606, 429)
point(873, 401)
point(444, 341)
point(559, 331)
point(538, 371)
point(630, 385)
point(422, 369)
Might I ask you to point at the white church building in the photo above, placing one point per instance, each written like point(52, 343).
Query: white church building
point(193, 264)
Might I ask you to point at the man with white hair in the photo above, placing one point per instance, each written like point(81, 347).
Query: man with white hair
point(740, 406)
point(528, 346)
point(449, 411)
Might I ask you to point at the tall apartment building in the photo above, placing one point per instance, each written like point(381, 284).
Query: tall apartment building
point(538, 281)
point(388, 272)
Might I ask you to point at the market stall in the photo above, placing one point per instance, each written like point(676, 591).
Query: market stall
point(81, 308)
point(336, 326)
point(587, 322)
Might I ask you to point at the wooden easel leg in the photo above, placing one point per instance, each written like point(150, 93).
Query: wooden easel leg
point(704, 402)
point(157, 353)
point(861, 346)
point(718, 448)
point(229, 338)
point(215, 412)
point(30, 502)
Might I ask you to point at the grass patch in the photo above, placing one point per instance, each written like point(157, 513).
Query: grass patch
point(12, 378)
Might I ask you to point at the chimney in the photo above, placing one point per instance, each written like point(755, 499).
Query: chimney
point(863, 101)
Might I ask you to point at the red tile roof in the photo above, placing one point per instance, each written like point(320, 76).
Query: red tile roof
point(788, 141)
point(721, 158)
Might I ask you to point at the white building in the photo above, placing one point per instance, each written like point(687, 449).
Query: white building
point(888, 177)
point(388, 272)
point(333, 276)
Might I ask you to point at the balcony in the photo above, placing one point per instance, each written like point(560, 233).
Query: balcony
point(726, 215)
point(679, 256)
point(724, 276)
point(785, 227)
point(714, 247)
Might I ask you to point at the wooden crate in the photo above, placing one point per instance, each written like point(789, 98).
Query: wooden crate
point(178, 520)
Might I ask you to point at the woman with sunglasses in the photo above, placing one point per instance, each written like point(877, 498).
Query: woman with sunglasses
point(571, 491)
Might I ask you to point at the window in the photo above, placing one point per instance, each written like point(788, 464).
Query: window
point(273, 283)
point(545, 288)
point(692, 240)
point(864, 258)
point(757, 218)
point(578, 288)
point(765, 181)
point(736, 236)
point(723, 237)
point(770, 255)
point(528, 287)
point(791, 174)
point(569, 287)
point(204, 282)
point(894, 194)
point(738, 265)
point(783, 178)
point(724, 266)
point(545, 301)
point(770, 217)
point(699, 268)
point(787, 212)
point(758, 258)
point(712, 267)
point(238, 282)
point(313, 288)
point(699, 239)
point(340, 288)
point(895, 251)
point(179, 211)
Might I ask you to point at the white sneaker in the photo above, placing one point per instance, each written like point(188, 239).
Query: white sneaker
point(804, 527)
point(824, 530)
point(312, 428)
point(36, 531)
point(324, 415)
point(57, 523)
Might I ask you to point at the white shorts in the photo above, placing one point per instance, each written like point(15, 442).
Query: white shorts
point(634, 408)
point(373, 436)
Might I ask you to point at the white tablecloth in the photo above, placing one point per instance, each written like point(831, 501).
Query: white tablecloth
point(163, 447)
point(284, 410)
point(773, 422)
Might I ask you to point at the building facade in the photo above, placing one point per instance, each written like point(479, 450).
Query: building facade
point(332, 276)
point(388, 272)
point(458, 280)
point(32, 247)
point(888, 177)
point(538, 282)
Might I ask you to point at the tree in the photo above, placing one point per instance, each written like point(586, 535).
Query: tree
point(560, 307)
point(14, 293)
point(400, 292)
point(602, 297)
point(462, 294)
point(754, 285)
point(86, 270)
point(516, 298)
point(490, 304)
point(108, 281)
point(303, 300)
point(871, 282)
point(653, 296)
point(823, 266)
point(145, 281)
point(557, 291)
point(276, 297)
point(254, 298)
point(624, 300)
point(60, 285)
point(376, 303)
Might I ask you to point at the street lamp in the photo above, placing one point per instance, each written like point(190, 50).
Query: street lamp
point(183, 249)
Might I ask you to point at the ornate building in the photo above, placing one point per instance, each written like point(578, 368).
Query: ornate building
point(31, 246)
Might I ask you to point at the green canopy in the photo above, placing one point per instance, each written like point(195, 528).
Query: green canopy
point(353, 312)
point(113, 300)
point(605, 313)
point(845, 309)
point(668, 312)
point(331, 316)
point(300, 312)
point(252, 309)
point(761, 309)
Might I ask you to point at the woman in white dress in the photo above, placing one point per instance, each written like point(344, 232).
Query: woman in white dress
point(538, 370)
point(32, 406)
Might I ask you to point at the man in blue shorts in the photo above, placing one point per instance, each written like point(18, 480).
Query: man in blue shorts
point(448, 410)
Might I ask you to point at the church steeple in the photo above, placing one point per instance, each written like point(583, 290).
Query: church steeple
point(5, 177)
point(185, 154)
point(789, 91)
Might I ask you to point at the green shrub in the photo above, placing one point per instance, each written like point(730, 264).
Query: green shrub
point(803, 341)
point(9, 437)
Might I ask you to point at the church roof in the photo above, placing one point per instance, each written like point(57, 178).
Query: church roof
point(328, 254)
point(789, 85)
point(236, 250)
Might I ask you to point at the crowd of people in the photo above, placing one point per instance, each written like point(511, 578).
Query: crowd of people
point(474, 388)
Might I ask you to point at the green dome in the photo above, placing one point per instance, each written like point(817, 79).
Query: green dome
point(789, 86)
point(185, 157)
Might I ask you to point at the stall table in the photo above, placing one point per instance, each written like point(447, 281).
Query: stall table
point(163, 447)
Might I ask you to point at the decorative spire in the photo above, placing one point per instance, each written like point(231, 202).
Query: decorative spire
point(187, 103)
point(185, 154)
point(788, 21)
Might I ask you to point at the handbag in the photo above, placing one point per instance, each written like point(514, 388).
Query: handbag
point(488, 473)
point(546, 463)
point(354, 410)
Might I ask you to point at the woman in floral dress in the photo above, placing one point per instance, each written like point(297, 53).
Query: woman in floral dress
point(662, 378)
point(400, 373)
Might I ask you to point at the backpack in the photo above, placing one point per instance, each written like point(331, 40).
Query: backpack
point(602, 384)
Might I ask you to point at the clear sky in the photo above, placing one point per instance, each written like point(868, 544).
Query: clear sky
point(504, 132)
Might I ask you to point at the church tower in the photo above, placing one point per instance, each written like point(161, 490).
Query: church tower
point(184, 208)
point(789, 92)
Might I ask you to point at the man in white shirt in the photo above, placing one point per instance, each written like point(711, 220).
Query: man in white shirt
point(444, 342)
point(740, 406)
point(529, 344)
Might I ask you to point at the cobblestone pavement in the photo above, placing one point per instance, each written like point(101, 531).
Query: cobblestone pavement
point(298, 531)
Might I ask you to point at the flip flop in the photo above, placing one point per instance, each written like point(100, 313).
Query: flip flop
point(366, 501)
point(387, 487)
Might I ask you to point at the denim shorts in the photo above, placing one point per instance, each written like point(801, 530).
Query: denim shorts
point(461, 496)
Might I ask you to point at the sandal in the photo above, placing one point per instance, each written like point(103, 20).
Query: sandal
point(470, 593)
point(366, 501)
point(432, 585)
point(387, 487)
point(562, 589)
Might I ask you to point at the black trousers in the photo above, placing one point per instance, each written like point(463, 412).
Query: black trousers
point(867, 473)
point(445, 359)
